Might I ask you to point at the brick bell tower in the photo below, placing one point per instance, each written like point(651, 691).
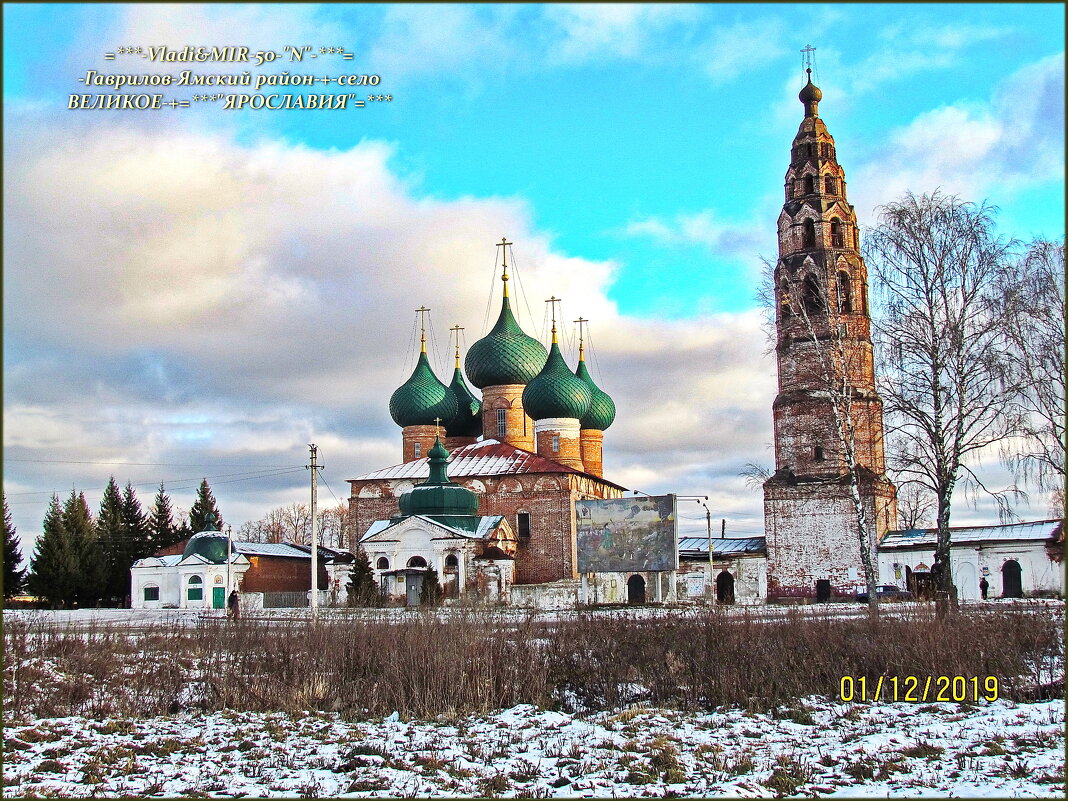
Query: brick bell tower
point(821, 293)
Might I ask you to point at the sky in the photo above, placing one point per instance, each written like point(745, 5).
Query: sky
point(202, 292)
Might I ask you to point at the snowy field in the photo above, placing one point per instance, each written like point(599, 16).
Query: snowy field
point(997, 749)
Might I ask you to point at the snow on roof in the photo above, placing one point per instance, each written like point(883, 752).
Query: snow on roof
point(959, 535)
point(486, 458)
point(286, 549)
point(477, 527)
point(170, 560)
point(698, 546)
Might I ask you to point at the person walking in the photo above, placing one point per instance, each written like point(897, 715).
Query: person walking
point(233, 605)
point(984, 586)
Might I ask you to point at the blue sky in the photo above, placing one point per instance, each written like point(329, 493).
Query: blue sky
point(634, 154)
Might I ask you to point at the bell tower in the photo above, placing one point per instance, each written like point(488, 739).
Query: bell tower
point(827, 415)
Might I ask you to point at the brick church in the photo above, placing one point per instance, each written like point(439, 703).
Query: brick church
point(541, 427)
point(827, 413)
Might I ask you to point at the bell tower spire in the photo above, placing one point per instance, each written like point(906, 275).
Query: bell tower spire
point(828, 416)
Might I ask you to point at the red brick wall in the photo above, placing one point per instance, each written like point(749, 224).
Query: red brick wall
point(518, 427)
point(280, 574)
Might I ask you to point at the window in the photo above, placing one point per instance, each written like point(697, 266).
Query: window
point(382, 563)
point(522, 521)
point(151, 593)
point(556, 443)
point(195, 591)
point(418, 450)
point(830, 186)
point(845, 296)
point(808, 234)
point(810, 185)
point(818, 454)
point(837, 240)
point(451, 561)
point(417, 561)
point(811, 295)
point(502, 422)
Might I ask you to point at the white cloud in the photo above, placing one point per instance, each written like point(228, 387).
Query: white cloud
point(740, 48)
point(594, 32)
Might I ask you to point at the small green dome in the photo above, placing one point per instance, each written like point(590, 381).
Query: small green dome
point(602, 409)
point(422, 398)
point(556, 391)
point(438, 495)
point(468, 419)
point(209, 544)
point(505, 355)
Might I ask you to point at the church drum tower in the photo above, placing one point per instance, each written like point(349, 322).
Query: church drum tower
point(821, 296)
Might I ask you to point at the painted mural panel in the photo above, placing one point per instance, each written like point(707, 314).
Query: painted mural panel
point(627, 534)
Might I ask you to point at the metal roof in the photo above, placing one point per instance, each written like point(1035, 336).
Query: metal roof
point(286, 549)
point(721, 546)
point(476, 527)
point(959, 535)
point(486, 458)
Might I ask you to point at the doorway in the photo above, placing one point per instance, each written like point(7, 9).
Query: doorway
point(725, 588)
point(823, 591)
point(635, 590)
point(218, 597)
point(413, 586)
point(1011, 580)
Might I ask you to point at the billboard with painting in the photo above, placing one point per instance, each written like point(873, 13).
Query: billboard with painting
point(627, 534)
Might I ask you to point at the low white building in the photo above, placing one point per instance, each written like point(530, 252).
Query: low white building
point(739, 570)
point(1017, 560)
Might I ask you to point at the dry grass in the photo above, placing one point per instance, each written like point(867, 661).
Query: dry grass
point(480, 660)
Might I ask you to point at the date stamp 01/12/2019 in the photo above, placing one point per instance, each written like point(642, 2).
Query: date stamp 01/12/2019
point(918, 688)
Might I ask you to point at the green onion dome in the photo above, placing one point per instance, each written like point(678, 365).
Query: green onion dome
point(209, 543)
point(602, 409)
point(438, 495)
point(468, 419)
point(422, 398)
point(505, 355)
point(556, 391)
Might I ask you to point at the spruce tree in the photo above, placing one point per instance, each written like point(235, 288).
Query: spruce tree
point(91, 568)
point(202, 507)
point(136, 524)
point(162, 530)
point(362, 590)
point(430, 593)
point(113, 543)
point(54, 571)
point(14, 576)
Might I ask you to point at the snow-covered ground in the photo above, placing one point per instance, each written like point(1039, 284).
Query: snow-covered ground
point(817, 747)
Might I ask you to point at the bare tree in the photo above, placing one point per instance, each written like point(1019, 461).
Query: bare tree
point(815, 308)
point(293, 524)
point(915, 505)
point(1032, 297)
point(945, 375)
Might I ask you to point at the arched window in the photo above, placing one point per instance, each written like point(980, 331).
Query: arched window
point(811, 295)
point(417, 561)
point(418, 449)
point(845, 296)
point(522, 520)
point(810, 185)
point(556, 443)
point(382, 563)
point(837, 240)
point(452, 561)
point(195, 589)
point(808, 234)
point(830, 186)
point(502, 422)
point(818, 454)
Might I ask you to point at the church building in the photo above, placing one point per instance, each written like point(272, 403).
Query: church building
point(540, 450)
point(828, 417)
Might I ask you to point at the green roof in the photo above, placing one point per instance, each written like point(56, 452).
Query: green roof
point(468, 419)
point(602, 409)
point(556, 391)
point(211, 545)
point(505, 355)
point(438, 495)
point(422, 398)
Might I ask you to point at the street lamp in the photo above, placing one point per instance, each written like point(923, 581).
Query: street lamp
point(708, 520)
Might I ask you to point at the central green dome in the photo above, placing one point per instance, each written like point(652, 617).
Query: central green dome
point(556, 391)
point(422, 398)
point(438, 495)
point(602, 411)
point(505, 355)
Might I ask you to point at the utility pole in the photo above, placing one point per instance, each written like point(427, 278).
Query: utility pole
point(314, 534)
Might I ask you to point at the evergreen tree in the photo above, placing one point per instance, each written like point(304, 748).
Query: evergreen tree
point(162, 530)
point(114, 545)
point(430, 594)
point(14, 576)
point(54, 571)
point(91, 569)
point(136, 523)
point(202, 507)
point(362, 589)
